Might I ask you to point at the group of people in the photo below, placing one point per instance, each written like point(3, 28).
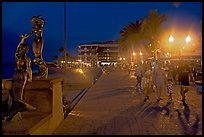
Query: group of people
point(154, 77)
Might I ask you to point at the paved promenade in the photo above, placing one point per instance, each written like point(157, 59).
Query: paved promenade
point(112, 106)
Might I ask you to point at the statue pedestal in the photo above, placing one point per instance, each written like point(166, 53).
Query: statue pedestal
point(46, 95)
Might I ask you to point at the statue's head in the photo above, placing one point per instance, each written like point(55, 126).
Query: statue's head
point(23, 49)
point(37, 20)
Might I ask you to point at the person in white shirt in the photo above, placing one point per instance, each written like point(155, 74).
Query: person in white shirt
point(147, 83)
point(138, 74)
point(159, 80)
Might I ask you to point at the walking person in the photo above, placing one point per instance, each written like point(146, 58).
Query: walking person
point(191, 75)
point(183, 82)
point(170, 83)
point(170, 88)
point(138, 74)
point(159, 80)
point(147, 83)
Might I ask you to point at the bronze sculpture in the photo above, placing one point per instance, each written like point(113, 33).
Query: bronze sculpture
point(38, 23)
point(22, 75)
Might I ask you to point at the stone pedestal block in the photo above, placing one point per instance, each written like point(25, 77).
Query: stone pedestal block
point(46, 95)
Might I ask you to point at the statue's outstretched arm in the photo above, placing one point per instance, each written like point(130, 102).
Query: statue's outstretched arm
point(25, 36)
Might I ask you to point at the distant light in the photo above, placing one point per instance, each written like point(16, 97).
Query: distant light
point(133, 53)
point(79, 70)
point(120, 58)
point(62, 61)
point(123, 58)
point(140, 53)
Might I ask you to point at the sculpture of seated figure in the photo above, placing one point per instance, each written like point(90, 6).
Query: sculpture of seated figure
point(38, 23)
point(22, 75)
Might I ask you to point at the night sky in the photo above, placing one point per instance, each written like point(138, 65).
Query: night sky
point(87, 22)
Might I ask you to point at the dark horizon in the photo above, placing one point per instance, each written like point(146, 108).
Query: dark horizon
point(87, 22)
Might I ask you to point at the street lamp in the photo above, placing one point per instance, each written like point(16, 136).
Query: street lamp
point(133, 54)
point(168, 54)
point(188, 39)
point(141, 57)
point(171, 39)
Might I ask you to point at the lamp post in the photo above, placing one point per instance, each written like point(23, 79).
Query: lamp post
point(131, 58)
point(141, 57)
point(188, 40)
point(65, 49)
point(171, 40)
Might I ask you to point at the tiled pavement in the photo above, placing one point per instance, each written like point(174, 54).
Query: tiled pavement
point(112, 106)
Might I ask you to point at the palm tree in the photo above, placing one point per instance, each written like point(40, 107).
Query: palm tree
point(130, 37)
point(151, 27)
point(61, 50)
point(55, 58)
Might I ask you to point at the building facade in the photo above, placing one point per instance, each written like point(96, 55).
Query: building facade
point(98, 54)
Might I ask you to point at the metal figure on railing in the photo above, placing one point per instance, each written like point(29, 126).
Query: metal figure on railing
point(22, 75)
point(38, 23)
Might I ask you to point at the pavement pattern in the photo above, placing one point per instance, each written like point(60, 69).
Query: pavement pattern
point(112, 106)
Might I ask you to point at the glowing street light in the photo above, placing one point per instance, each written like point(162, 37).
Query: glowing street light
point(140, 53)
point(188, 39)
point(133, 54)
point(141, 57)
point(171, 39)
